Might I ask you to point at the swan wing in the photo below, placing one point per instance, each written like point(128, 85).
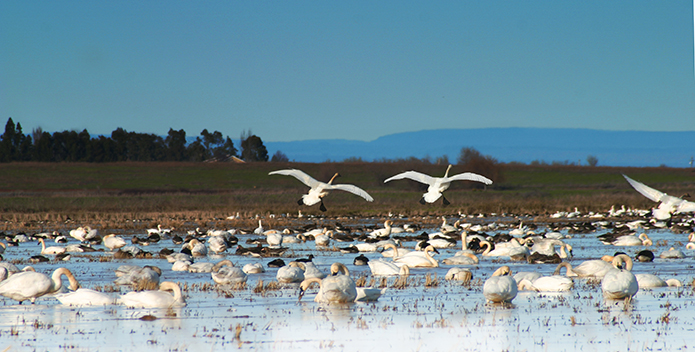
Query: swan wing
point(686, 207)
point(469, 176)
point(352, 189)
point(413, 175)
point(651, 193)
point(298, 174)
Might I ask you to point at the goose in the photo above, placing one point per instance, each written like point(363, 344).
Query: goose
point(672, 253)
point(320, 189)
point(336, 288)
point(594, 268)
point(459, 274)
point(463, 259)
point(418, 259)
point(667, 204)
point(644, 256)
point(652, 281)
point(29, 285)
point(632, 240)
point(85, 297)
point(437, 185)
point(225, 273)
point(113, 242)
point(555, 283)
point(50, 250)
point(501, 286)
point(619, 283)
point(155, 299)
point(291, 273)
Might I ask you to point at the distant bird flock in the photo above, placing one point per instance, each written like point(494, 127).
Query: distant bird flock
point(514, 243)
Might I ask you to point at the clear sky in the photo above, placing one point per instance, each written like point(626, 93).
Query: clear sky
point(298, 70)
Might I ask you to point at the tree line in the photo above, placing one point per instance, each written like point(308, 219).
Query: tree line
point(73, 146)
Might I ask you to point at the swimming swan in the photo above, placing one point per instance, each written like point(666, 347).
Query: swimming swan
point(501, 286)
point(225, 273)
point(437, 185)
point(336, 288)
point(619, 283)
point(320, 189)
point(29, 285)
point(85, 297)
point(50, 250)
point(418, 259)
point(155, 299)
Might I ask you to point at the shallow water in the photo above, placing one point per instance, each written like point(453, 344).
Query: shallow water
point(443, 317)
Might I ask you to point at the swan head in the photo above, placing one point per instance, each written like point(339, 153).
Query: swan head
point(339, 268)
point(503, 271)
point(304, 285)
point(446, 174)
point(333, 178)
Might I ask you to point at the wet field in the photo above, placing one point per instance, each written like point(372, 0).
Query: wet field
point(426, 313)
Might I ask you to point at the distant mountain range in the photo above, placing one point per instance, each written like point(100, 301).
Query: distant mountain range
point(611, 148)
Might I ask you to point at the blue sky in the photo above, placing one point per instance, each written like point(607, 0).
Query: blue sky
point(298, 70)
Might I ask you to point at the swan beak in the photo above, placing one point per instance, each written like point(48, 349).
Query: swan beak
point(301, 294)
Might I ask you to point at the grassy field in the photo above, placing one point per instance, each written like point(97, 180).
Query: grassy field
point(35, 192)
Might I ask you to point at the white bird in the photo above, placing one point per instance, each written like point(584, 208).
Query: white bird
point(385, 232)
point(85, 297)
point(501, 286)
point(384, 268)
point(459, 274)
point(653, 281)
point(197, 248)
point(291, 273)
point(632, 240)
point(619, 283)
point(225, 273)
point(259, 230)
point(217, 244)
point(79, 234)
point(200, 267)
point(29, 285)
point(253, 268)
point(336, 288)
point(320, 189)
point(667, 204)
point(51, 250)
point(503, 251)
point(310, 270)
point(418, 259)
point(672, 253)
point(145, 278)
point(594, 268)
point(368, 294)
point(437, 185)
point(555, 283)
point(155, 299)
point(113, 242)
point(462, 259)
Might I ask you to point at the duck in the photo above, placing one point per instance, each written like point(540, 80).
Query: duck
point(501, 286)
point(225, 273)
point(437, 185)
point(155, 299)
point(30, 285)
point(53, 250)
point(318, 190)
point(85, 297)
point(620, 283)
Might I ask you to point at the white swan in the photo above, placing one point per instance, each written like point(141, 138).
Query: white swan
point(667, 204)
point(320, 189)
point(459, 274)
point(418, 259)
point(594, 268)
point(336, 288)
point(145, 278)
point(113, 242)
point(368, 294)
point(646, 281)
point(619, 283)
point(463, 259)
point(54, 250)
point(291, 273)
point(672, 253)
point(504, 251)
point(29, 285)
point(632, 240)
point(555, 283)
point(197, 248)
point(384, 268)
point(85, 297)
point(225, 273)
point(500, 287)
point(385, 232)
point(217, 244)
point(253, 268)
point(155, 299)
point(437, 185)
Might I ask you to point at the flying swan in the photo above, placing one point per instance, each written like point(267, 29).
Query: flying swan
point(320, 189)
point(437, 185)
point(667, 204)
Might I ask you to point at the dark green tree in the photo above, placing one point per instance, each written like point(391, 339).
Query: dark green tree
point(252, 149)
point(176, 145)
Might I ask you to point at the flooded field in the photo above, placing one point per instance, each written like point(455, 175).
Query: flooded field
point(426, 313)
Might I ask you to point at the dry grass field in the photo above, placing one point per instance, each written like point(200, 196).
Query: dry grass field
point(33, 195)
